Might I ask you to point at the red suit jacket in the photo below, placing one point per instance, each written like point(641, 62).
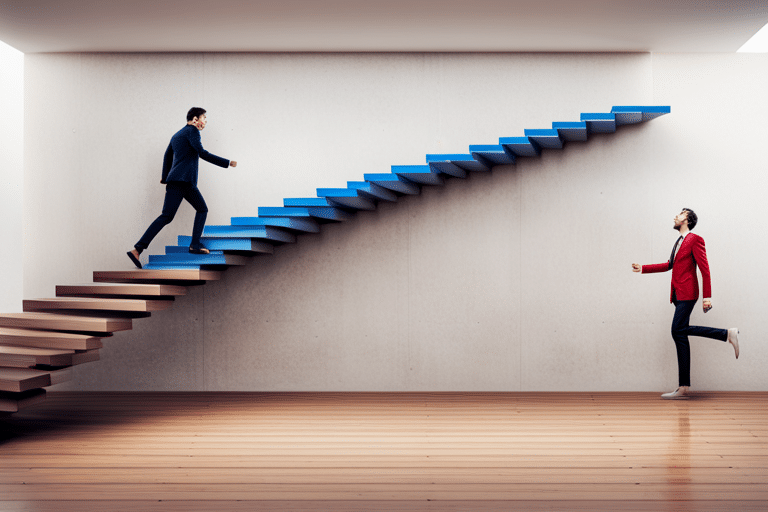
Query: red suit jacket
point(685, 284)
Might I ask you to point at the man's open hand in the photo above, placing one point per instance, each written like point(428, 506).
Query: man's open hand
point(636, 267)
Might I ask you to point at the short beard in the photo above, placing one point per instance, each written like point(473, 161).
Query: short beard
point(677, 226)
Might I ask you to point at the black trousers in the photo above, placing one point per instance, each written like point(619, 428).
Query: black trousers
point(680, 332)
point(174, 193)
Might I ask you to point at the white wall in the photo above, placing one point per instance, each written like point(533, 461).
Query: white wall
point(11, 177)
point(517, 279)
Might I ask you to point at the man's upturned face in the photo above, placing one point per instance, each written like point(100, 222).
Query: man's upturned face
point(682, 218)
point(200, 122)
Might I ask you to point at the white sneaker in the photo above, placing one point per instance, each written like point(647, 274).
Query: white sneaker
point(733, 339)
point(680, 393)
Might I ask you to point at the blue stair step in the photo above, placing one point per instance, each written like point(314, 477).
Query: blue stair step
point(370, 190)
point(600, 123)
point(325, 202)
point(347, 197)
point(288, 223)
point(324, 213)
point(259, 232)
point(448, 168)
point(170, 266)
point(421, 174)
point(631, 114)
point(520, 146)
point(393, 182)
point(571, 131)
point(466, 162)
point(545, 139)
point(230, 244)
point(185, 258)
point(493, 153)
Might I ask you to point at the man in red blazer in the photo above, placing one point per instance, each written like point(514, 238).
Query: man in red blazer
point(688, 252)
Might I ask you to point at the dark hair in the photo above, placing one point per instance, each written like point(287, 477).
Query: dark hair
point(692, 218)
point(195, 112)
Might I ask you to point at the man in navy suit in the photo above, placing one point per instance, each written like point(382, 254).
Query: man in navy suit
point(180, 179)
point(688, 252)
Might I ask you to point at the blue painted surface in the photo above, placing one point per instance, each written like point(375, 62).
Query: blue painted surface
point(393, 182)
point(290, 224)
point(276, 225)
point(264, 233)
point(188, 259)
point(491, 154)
point(421, 174)
point(520, 146)
point(600, 123)
point(325, 213)
point(466, 162)
point(229, 244)
point(571, 131)
point(372, 191)
point(546, 139)
point(347, 197)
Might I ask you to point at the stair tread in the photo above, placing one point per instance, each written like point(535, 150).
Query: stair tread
point(96, 303)
point(64, 322)
point(128, 289)
point(187, 276)
point(13, 402)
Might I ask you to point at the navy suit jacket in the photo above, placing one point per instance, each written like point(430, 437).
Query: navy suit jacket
point(181, 157)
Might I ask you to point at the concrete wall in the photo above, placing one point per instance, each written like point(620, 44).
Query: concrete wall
point(11, 177)
point(518, 279)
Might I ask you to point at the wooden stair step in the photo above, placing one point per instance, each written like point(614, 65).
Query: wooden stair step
point(14, 402)
point(53, 322)
point(27, 357)
point(173, 277)
point(17, 380)
point(120, 290)
point(49, 339)
point(98, 304)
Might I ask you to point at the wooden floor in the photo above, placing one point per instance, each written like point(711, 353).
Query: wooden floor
point(386, 451)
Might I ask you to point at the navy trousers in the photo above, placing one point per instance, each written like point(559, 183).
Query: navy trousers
point(680, 332)
point(175, 191)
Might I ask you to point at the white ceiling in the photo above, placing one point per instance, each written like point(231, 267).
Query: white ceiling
point(387, 25)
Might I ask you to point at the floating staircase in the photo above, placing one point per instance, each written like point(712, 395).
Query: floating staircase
point(39, 346)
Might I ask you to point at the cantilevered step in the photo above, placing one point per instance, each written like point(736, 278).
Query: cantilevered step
point(326, 202)
point(14, 402)
point(246, 246)
point(348, 198)
point(174, 277)
point(49, 339)
point(421, 174)
point(466, 162)
point(111, 290)
point(287, 223)
point(71, 323)
point(313, 212)
point(18, 380)
point(26, 357)
point(262, 233)
point(394, 183)
point(176, 255)
point(364, 188)
point(96, 304)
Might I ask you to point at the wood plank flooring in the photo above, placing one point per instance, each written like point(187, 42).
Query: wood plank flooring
point(386, 451)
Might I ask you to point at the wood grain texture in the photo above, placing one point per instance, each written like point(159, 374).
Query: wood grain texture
point(64, 322)
point(49, 339)
point(125, 290)
point(386, 451)
point(173, 277)
point(97, 304)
